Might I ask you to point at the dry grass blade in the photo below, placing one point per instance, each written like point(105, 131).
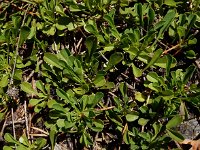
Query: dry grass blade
point(38, 135)
point(26, 119)
point(40, 130)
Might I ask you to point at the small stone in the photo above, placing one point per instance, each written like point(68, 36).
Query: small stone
point(13, 92)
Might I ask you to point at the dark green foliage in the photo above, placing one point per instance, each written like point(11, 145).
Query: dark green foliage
point(123, 72)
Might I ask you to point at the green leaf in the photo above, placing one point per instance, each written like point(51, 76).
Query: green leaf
point(139, 97)
point(144, 109)
point(152, 77)
point(93, 102)
point(114, 59)
point(32, 30)
point(123, 89)
point(69, 124)
point(169, 17)
point(79, 91)
point(84, 101)
point(184, 111)
point(16, 21)
point(23, 139)
point(60, 123)
point(89, 3)
point(40, 86)
point(151, 15)
point(188, 74)
point(65, 56)
point(34, 102)
point(157, 128)
point(62, 23)
point(21, 147)
point(27, 87)
point(98, 125)
point(181, 31)
point(192, 41)
point(175, 135)
point(168, 64)
point(2, 39)
point(51, 59)
point(24, 33)
point(52, 136)
point(9, 138)
point(162, 62)
point(62, 94)
point(86, 139)
point(140, 14)
point(91, 44)
point(190, 54)
point(155, 57)
point(191, 20)
point(167, 94)
point(40, 142)
point(40, 106)
point(146, 136)
point(170, 2)
point(99, 81)
point(176, 120)
point(133, 51)
point(143, 121)
point(154, 86)
point(108, 85)
point(110, 18)
point(4, 80)
point(91, 29)
point(148, 38)
point(115, 33)
point(59, 9)
point(2, 115)
point(126, 137)
point(108, 48)
point(136, 71)
point(131, 117)
point(7, 148)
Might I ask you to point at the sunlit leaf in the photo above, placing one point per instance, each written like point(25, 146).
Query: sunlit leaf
point(176, 120)
point(114, 59)
point(27, 87)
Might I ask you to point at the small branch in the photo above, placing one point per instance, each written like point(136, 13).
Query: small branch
point(4, 126)
point(172, 48)
point(124, 75)
point(26, 119)
point(32, 72)
point(29, 126)
point(125, 128)
point(112, 94)
point(13, 123)
point(104, 57)
point(105, 108)
point(163, 44)
point(17, 50)
point(38, 135)
point(87, 78)
point(35, 128)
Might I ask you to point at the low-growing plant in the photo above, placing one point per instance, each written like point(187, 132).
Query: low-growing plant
point(105, 72)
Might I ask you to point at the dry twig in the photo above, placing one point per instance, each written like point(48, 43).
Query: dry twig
point(35, 128)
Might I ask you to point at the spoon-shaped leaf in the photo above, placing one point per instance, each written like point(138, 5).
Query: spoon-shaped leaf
point(155, 57)
point(114, 59)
